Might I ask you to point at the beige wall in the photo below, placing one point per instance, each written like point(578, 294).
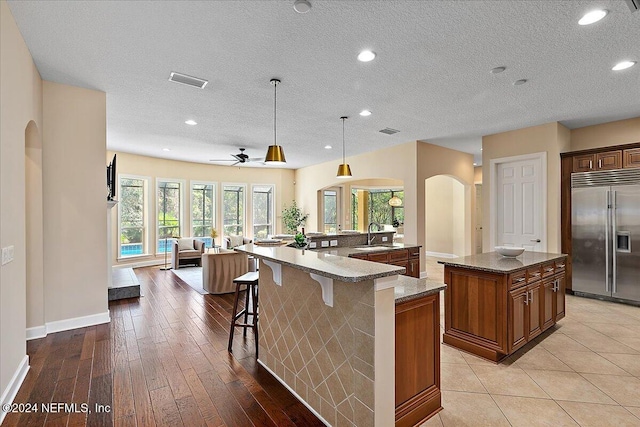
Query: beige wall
point(606, 134)
point(153, 168)
point(433, 160)
point(20, 104)
point(75, 238)
point(552, 138)
point(445, 216)
point(412, 164)
point(477, 175)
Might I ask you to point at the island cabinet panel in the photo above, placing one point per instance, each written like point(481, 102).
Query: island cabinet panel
point(549, 315)
point(417, 362)
point(475, 311)
point(518, 318)
point(408, 258)
point(534, 306)
point(559, 307)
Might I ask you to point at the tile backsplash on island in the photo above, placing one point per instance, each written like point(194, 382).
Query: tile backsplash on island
point(350, 239)
point(325, 353)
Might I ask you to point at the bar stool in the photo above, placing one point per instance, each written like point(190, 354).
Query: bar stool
point(250, 280)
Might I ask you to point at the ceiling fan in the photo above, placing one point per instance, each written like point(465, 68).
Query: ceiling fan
point(239, 158)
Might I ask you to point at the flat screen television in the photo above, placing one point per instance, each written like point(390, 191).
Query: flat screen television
point(111, 179)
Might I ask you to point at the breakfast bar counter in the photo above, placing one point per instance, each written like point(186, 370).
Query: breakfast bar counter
point(326, 322)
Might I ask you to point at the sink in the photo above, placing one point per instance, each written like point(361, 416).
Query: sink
point(371, 248)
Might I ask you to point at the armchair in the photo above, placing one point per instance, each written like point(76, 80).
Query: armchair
point(231, 242)
point(186, 251)
point(220, 268)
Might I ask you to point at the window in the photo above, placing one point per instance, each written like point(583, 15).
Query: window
point(169, 213)
point(330, 207)
point(132, 217)
point(262, 204)
point(379, 209)
point(354, 209)
point(233, 198)
point(203, 210)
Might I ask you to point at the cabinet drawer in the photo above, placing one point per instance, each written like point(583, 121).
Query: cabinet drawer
point(560, 265)
point(398, 255)
point(534, 274)
point(547, 269)
point(414, 252)
point(383, 257)
point(517, 279)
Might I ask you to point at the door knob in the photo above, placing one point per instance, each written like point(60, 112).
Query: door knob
point(535, 240)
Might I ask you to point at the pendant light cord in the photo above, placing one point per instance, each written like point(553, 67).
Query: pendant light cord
point(343, 151)
point(275, 111)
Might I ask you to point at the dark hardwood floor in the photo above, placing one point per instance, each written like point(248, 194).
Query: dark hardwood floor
point(162, 361)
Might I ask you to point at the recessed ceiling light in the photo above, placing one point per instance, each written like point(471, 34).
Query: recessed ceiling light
point(301, 6)
point(166, 149)
point(191, 122)
point(366, 56)
point(593, 16)
point(328, 147)
point(475, 164)
point(519, 82)
point(365, 113)
point(498, 70)
point(623, 65)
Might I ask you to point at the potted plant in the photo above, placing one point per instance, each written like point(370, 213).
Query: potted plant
point(292, 218)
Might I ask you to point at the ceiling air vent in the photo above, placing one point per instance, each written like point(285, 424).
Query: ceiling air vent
point(634, 5)
point(389, 131)
point(187, 80)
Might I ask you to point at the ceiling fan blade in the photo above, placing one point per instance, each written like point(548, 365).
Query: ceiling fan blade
point(235, 163)
point(255, 159)
point(222, 160)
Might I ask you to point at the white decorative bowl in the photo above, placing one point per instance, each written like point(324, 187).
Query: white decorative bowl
point(509, 251)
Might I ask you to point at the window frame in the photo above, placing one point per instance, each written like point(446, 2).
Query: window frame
point(244, 206)
point(182, 185)
point(271, 214)
point(214, 197)
point(145, 217)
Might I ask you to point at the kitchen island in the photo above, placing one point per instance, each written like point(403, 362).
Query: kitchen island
point(326, 322)
point(494, 305)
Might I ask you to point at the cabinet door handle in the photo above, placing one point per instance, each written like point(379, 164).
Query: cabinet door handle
point(526, 298)
point(535, 274)
point(600, 163)
point(590, 164)
point(520, 280)
point(548, 270)
point(560, 265)
point(555, 285)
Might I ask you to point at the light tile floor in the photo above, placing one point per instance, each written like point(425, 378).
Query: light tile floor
point(585, 371)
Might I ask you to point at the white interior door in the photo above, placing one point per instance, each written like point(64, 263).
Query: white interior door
point(478, 218)
point(520, 207)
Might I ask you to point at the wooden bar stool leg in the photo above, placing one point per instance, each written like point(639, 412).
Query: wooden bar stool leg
point(246, 308)
point(233, 317)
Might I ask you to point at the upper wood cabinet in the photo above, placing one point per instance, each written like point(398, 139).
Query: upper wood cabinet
point(631, 158)
point(599, 161)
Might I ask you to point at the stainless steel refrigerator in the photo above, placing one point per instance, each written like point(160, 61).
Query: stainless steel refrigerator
point(606, 234)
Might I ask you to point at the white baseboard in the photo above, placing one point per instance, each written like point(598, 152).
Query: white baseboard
point(36, 332)
point(10, 392)
point(440, 254)
point(67, 324)
point(147, 263)
point(297, 396)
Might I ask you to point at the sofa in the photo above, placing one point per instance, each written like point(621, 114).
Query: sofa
point(220, 268)
point(230, 242)
point(186, 251)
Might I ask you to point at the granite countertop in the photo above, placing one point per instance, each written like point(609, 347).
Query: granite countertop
point(324, 264)
point(409, 288)
point(350, 250)
point(494, 262)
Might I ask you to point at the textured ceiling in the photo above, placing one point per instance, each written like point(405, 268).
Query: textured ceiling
point(431, 78)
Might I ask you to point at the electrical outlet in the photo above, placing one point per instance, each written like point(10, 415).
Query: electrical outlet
point(325, 244)
point(7, 254)
point(334, 243)
point(312, 245)
point(385, 238)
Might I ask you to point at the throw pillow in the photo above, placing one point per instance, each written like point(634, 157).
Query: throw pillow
point(185, 244)
point(235, 241)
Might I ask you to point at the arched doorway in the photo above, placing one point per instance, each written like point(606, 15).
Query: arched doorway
point(34, 232)
point(447, 217)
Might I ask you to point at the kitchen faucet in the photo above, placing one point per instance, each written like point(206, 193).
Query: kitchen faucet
point(369, 238)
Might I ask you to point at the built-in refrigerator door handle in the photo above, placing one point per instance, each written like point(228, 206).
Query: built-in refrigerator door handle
point(606, 242)
point(614, 245)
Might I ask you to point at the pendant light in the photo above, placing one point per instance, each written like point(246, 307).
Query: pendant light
point(275, 153)
point(395, 201)
point(344, 171)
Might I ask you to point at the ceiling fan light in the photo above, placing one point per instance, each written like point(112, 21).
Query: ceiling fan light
point(344, 171)
point(275, 155)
